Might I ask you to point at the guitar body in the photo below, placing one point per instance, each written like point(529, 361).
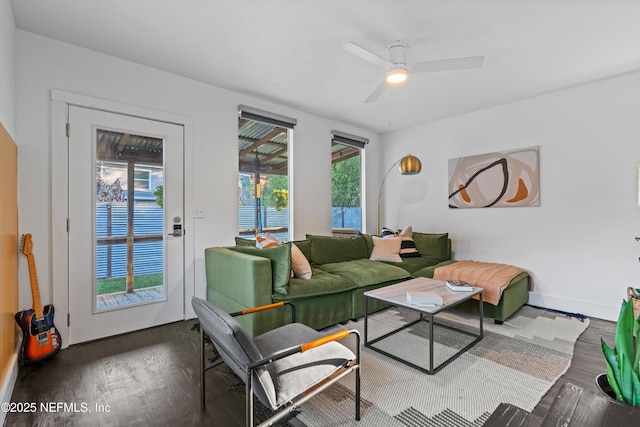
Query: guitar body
point(41, 340)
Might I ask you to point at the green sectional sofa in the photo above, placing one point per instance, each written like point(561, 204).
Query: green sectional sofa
point(243, 276)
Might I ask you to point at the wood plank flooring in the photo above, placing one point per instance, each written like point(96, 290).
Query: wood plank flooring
point(587, 362)
point(150, 378)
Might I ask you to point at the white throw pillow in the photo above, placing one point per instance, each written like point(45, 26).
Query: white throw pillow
point(387, 249)
point(266, 242)
point(299, 263)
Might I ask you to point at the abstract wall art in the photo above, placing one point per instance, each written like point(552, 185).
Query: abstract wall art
point(508, 178)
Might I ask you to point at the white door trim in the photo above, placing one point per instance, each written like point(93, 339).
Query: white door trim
point(60, 100)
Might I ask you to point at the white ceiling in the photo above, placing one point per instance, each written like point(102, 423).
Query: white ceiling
point(288, 51)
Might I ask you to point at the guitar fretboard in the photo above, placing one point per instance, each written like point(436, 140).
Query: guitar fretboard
point(35, 289)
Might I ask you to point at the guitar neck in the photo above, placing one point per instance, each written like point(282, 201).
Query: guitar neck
point(35, 289)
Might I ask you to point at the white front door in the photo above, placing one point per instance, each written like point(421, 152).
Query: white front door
point(126, 219)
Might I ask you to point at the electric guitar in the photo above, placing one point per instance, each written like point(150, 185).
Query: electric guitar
point(41, 340)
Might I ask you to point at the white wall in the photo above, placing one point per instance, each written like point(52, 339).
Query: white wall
point(7, 68)
point(44, 64)
point(579, 244)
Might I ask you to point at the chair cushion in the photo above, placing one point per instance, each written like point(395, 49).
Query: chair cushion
point(234, 345)
point(299, 372)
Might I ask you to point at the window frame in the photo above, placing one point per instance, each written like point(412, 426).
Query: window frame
point(359, 143)
point(287, 125)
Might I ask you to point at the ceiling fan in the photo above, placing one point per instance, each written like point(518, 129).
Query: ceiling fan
point(397, 68)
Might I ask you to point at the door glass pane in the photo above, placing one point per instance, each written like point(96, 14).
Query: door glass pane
point(263, 181)
point(346, 189)
point(129, 224)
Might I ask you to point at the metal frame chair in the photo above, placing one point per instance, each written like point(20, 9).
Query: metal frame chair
point(284, 367)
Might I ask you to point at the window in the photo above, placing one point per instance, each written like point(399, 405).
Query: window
point(263, 178)
point(142, 180)
point(147, 182)
point(346, 182)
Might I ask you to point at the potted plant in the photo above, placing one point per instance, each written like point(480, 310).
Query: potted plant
point(623, 361)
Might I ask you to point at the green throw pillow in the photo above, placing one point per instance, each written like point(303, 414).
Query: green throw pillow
point(433, 245)
point(304, 246)
point(368, 240)
point(328, 249)
point(280, 257)
point(240, 241)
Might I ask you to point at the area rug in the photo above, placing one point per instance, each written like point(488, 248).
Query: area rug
point(516, 362)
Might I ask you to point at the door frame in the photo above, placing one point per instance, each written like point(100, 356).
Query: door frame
point(60, 101)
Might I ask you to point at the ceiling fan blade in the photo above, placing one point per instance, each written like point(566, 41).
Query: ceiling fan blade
point(447, 64)
point(376, 93)
point(365, 54)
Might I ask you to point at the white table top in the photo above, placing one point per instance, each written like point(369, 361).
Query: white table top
point(397, 294)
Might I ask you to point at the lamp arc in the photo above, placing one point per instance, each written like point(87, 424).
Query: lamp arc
point(409, 165)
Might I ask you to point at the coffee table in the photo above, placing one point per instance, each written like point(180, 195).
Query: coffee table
point(397, 295)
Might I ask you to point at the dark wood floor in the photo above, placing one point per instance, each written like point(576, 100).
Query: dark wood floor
point(587, 362)
point(150, 378)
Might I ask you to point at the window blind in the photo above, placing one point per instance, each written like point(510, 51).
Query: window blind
point(266, 116)
point(348, 139)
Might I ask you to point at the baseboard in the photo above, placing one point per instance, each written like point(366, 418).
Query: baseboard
point(588, 308)
point(9, 382)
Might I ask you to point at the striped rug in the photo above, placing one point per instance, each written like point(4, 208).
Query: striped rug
point(516, 363)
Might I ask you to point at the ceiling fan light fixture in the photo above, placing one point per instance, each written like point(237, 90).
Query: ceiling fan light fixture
point(396, 76)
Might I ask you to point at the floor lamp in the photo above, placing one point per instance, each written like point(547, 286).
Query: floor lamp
point(409, 165)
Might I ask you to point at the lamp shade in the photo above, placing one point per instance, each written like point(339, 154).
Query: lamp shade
point(410, 165)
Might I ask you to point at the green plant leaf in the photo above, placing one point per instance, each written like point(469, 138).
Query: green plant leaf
point(626, 374)
point(623, 361)
point(624, 332)
point(612, 367)
point(636, 361)
point(613, 383)
point(635, 398)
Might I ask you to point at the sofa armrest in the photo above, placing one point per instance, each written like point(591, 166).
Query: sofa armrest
point(243, 279)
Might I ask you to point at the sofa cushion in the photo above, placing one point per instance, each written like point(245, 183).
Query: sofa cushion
point(300, 263)
point(280, 257)
point(414, 264)
point(387, 232)
point(240, 241)
point(368, 240)
point(267, 241)
point(321, 283)
point(328, 249)
point(408, 249)
point(300, 267)
point(433, 245)
point(364, 272)
point(304, 246)
point(386, 249)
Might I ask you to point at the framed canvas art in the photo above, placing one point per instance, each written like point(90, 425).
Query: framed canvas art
point(502, 179)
